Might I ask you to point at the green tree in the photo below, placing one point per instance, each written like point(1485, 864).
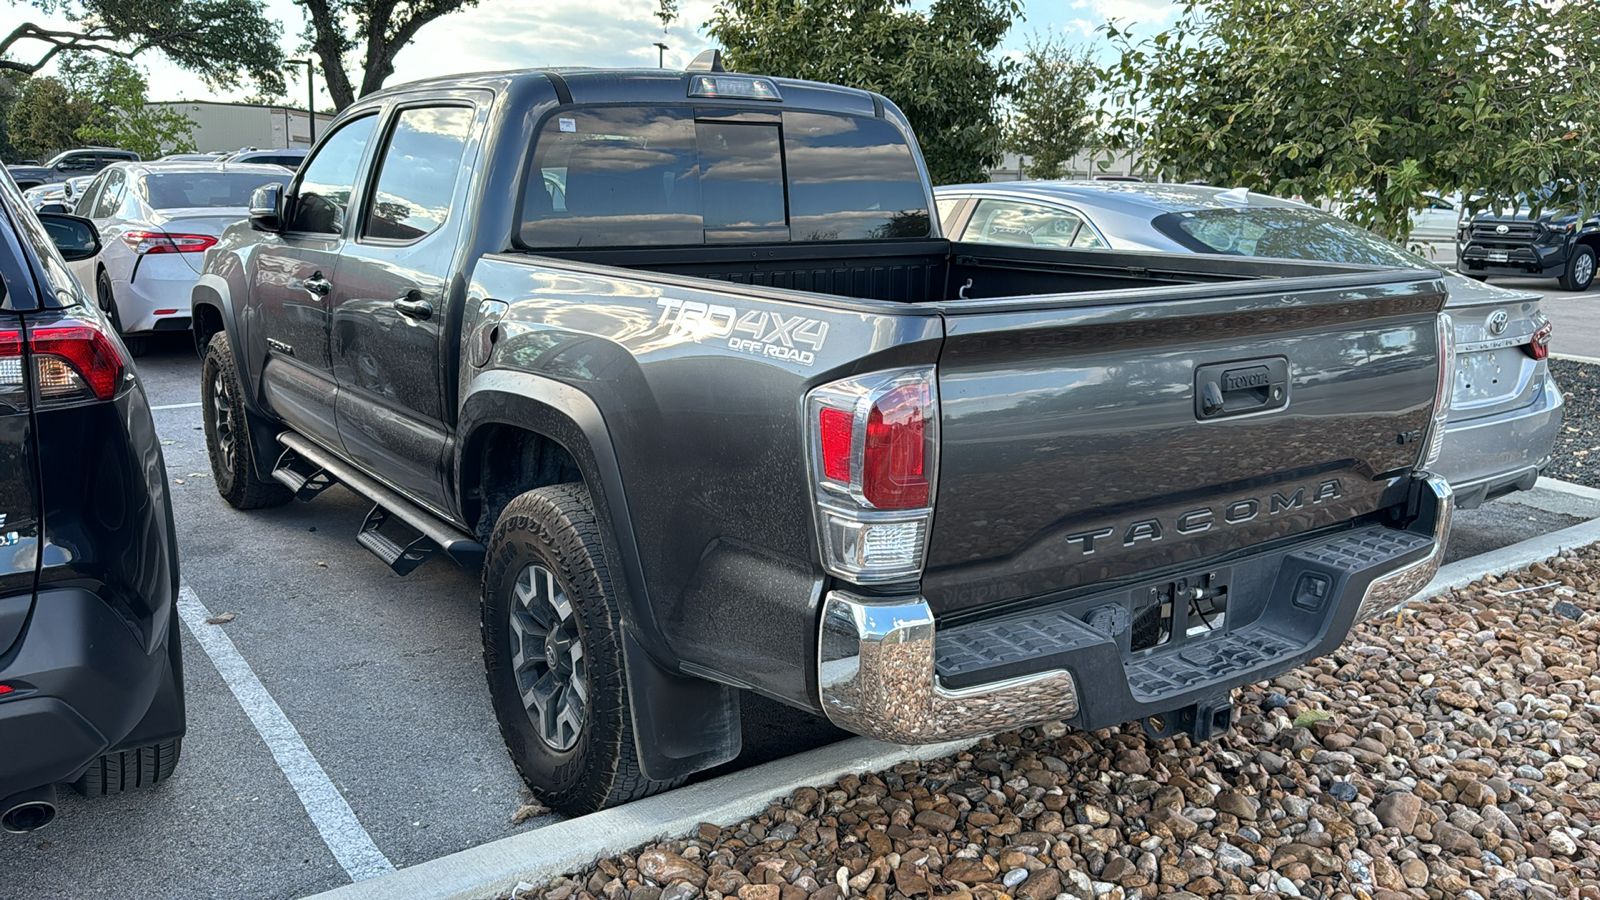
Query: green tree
point(379, 29)
point(1054, 115)
point(938, 66)
point(45, 118)
point(222, 41)
point(121, 116)
point(1367, 102)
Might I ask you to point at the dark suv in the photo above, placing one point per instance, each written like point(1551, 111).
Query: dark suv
point(1557, 243)
point(72, 163)
point(91, 678)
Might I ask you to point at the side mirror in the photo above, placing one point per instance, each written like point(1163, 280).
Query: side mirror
point(54, 208)
point(266, 208)
point(74, 236)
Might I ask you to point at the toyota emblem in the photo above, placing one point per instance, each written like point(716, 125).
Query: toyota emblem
point(1502, 229)
point(1498, 321)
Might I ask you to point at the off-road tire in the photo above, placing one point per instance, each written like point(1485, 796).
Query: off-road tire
point(1579, 274)
point(107, 301)
point(555, 527)
point(126, 770)
point(236, 478)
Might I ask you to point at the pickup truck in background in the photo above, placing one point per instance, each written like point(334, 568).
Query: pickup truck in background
point(681, 360)
point(1560, 243)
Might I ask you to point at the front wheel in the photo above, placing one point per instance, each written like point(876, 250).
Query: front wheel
point(1580, 269)
point(228, 440)
point(552, 649)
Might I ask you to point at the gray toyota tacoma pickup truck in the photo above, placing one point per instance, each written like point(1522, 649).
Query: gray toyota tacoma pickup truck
point(681, 360)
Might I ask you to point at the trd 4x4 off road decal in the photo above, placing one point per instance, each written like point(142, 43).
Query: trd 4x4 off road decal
point(756, 332)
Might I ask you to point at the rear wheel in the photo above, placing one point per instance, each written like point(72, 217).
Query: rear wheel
point(1580, 269)
point(126, 770)
point(552, 650)
point(108, 304)
point(228, 440)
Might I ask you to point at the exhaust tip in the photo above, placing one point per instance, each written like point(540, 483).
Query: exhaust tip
point(29, 810)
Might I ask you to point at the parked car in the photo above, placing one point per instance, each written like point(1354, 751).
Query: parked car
point(189, 157)
point(53, 194)
point(1560, 243)
point(156, 221)
point(730, 414)
point(91, 675)
point(288, 158)
point(85, 161)
point(1506, 409)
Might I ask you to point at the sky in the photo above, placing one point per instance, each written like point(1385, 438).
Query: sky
point(513, 34)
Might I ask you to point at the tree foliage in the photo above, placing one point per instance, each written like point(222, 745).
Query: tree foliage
point(1054, 116)
point(1367, 102)
point(96, 101)
point(937, 66)
point(377, 29)
point(223, 41)
point(45, 117)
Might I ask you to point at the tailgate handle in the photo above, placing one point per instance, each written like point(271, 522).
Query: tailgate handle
point(1237, 388)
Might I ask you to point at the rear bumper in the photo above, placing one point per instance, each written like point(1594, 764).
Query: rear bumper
point(887, 670)
point(157, 297)
point(1491, 456)
point(83, 683)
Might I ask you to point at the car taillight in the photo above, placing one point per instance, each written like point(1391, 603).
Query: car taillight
point(72, 361)
point(1538, 346)
point(151, 242)
point(1434, 445)
point(873, 442)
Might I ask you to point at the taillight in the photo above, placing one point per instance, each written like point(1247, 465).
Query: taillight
point(148, 243)
point(72, 361)
point(1538, 346)
point(874, 449)
point(1445, 395)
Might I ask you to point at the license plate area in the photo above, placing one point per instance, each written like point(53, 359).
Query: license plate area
point(1173, 613)
point(1499, 255)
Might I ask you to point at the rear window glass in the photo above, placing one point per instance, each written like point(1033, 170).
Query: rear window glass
point(1285, 233)
point(202, 189)
point(632, 176)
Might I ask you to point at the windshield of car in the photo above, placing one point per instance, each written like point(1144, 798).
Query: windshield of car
point(178, 190)
point(1285, 233)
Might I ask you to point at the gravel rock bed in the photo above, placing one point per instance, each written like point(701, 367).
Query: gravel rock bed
point(1576, 456)
point(1450, 752)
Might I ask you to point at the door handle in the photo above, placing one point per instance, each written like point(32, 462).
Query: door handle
point(318, 285)
point(414, 308)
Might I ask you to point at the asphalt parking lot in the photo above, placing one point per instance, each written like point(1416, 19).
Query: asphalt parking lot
point(377, 681)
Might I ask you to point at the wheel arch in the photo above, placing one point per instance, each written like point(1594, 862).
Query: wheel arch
point(210, 313)
point(532, 429)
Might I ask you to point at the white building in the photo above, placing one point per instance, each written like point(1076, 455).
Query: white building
point(1084, 165)
point(230, 126)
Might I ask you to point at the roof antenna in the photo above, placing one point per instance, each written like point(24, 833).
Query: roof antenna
point(707, 61)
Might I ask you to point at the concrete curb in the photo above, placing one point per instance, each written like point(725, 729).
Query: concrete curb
point(493, 870)
point(1572, 357)
point(1507, 559)
point(1567, 487)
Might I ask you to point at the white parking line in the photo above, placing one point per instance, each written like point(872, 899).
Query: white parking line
point(177, 406)
point(332, 816)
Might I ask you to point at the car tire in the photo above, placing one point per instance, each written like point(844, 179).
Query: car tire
point(136, 344)
point(229, 442)
point(545, 580)
point(126, 770)
point(1580, 269)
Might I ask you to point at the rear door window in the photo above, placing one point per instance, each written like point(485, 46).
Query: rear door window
point(631, 176)
point(417, 178)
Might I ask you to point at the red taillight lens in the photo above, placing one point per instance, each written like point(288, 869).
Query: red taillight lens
point(5, 689)
point(1538, 346)
point(151, 242)
point(75, 361)
point(837, 428)
point(894, 472)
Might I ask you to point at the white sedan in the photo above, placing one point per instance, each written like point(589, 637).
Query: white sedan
point(156, 221)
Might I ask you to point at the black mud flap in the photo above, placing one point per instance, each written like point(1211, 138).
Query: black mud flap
point(681, 724)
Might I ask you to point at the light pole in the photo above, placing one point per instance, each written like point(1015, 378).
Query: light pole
point(661, 55)
point(311, 95)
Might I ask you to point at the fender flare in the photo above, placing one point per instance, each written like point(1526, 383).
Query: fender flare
point(682, 724)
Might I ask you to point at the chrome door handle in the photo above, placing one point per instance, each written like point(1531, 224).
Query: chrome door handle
point(415, 309)
point(318, 285)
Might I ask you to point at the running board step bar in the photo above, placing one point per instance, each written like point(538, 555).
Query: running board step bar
point(396, 530)
point(305, 478)
point(402, 558)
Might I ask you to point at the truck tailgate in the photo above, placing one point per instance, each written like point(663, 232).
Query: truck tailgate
point(1125, 434)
